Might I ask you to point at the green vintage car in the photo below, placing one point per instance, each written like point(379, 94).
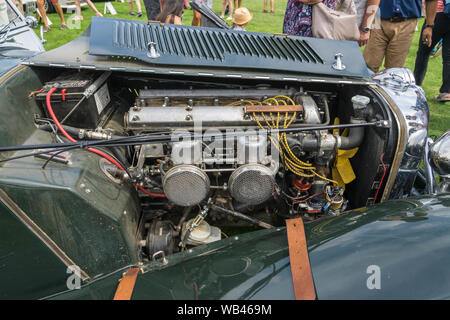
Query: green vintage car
point(182, 151)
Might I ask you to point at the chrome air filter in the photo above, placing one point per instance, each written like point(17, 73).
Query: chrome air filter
point(251, 184)
point(186, 185)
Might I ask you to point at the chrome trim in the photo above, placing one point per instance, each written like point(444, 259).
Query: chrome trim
point(429, 174)
point(409, 104)
point(440, 155)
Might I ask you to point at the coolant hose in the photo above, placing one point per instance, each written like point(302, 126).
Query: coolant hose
point(353, 140)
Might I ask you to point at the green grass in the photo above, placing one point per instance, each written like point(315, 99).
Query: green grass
point(271, 23)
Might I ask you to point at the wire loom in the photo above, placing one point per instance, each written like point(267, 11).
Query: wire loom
point(292, 162)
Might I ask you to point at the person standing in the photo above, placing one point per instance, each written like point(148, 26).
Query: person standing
point(298, 16)
point(441, 30)
point(365, 10)
point(392, 40)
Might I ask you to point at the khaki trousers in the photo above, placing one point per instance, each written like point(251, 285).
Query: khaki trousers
point(392, 42)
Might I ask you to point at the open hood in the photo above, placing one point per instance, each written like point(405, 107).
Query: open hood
point(118, 44)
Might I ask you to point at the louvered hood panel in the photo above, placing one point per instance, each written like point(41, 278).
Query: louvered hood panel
point(209, 47)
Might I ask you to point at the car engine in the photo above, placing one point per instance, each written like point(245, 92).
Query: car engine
point(206, 157)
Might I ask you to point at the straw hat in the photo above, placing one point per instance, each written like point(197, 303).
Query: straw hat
point(242, 16)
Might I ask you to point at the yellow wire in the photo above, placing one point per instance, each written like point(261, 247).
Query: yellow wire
point(292, 162)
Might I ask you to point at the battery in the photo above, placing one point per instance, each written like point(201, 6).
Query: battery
point(88, 87)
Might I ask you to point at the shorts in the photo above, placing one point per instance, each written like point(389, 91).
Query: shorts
point(54, 1)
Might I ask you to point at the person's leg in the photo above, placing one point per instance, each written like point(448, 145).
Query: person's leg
point(272, 5)
point(60, 13)
point(265, 5)
point(40, 7)
point(139, 8)
point(445, 88)
point(230, 6)
point(224, 7)
point(398, 48)
point(197, 18)
point(79, 15)
point(423, 52)
point(130, 4)
point(376, 47)
point(421, 64)
point(91, 5)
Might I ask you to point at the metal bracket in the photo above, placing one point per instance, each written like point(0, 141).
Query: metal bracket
point(338, 65)
point(152, 53)
point(163, 257)
point(384, 124)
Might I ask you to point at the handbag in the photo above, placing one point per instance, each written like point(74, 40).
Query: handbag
point(338, 24)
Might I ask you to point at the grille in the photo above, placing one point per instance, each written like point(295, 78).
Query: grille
point(186, 185)
point(251, 184)
point(210, 43)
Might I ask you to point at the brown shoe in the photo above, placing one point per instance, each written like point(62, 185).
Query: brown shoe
point(265, 11)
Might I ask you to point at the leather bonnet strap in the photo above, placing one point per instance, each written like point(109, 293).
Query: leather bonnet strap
point(126, 285)
point(298, 255)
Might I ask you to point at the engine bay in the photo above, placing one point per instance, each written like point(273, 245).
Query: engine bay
point(221, 154)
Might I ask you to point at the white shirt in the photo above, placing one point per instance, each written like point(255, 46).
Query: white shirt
point(360, 9)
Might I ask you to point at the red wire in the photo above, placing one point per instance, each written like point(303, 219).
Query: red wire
point(382, 178)
point(157, 195)
point(100, 153)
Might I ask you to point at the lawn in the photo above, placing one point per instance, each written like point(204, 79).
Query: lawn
point(272, 23)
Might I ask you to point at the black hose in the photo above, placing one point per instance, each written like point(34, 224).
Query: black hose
point(186, 212)
point(353, 140)
point(70, 130)
point(242, 216)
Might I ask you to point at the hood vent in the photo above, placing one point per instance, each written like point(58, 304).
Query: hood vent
point(205, 43)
